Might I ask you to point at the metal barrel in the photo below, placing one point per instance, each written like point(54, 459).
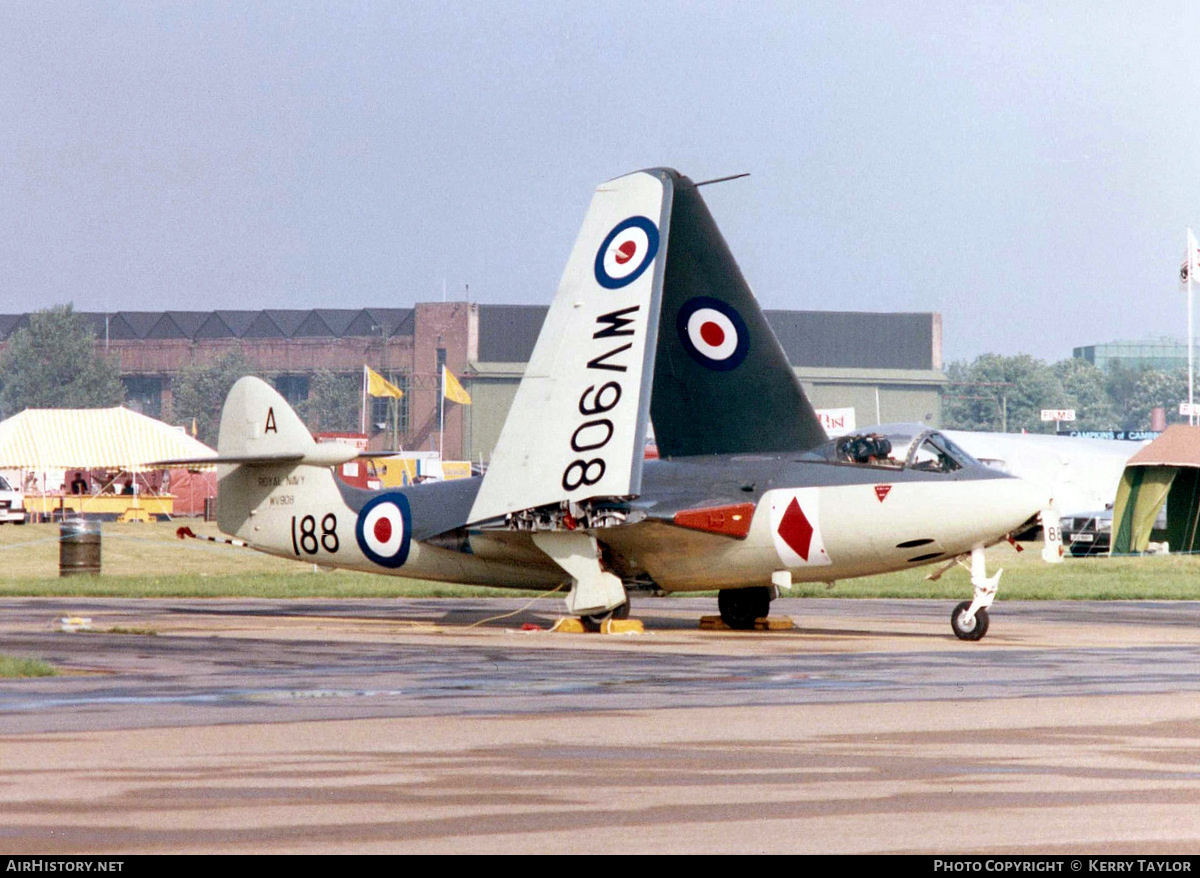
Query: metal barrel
point(79, 547)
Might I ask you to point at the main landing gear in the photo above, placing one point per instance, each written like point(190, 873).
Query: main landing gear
point(596, 595)
point(742, 607)
point(595, 621)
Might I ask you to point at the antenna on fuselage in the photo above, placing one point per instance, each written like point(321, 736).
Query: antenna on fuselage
point(722, 179)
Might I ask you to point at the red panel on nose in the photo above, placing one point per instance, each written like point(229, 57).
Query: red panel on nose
point(732, 521)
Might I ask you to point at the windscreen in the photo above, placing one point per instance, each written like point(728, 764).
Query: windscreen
point(896, 446)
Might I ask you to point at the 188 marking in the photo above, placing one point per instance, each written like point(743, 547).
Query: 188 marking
point(306, 539)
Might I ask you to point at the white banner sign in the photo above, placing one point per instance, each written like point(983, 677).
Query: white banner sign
point(1058, 414)
point(1187, 409)
point(837, 422)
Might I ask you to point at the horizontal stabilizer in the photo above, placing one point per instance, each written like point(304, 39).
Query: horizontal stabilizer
point(324, 454)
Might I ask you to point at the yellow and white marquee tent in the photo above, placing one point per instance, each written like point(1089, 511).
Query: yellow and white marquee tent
point(112, 438)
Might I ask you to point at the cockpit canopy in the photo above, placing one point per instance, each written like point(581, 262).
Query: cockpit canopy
point(895, 446)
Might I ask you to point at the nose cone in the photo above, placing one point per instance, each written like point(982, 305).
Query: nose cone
point(1009, 502)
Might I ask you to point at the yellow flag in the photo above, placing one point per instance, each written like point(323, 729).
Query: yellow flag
point(377, 385)
point(452, 390)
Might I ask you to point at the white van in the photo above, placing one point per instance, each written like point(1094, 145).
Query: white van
point(12, 503)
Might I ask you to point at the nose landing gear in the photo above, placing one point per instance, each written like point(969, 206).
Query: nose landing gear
point(970, 619)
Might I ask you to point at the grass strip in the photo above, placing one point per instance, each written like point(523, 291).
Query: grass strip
point(147, 560)
point(12, 666)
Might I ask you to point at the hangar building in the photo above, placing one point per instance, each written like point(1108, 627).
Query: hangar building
point(887, 367)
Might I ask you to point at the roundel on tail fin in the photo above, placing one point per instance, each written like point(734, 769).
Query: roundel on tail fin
point(713, 333)
point(384, 530)
point(626, 252)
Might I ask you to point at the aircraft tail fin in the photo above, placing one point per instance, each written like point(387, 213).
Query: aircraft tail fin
point(258, 424)
point(722, 382)
point(259, 428)
point(260, 444)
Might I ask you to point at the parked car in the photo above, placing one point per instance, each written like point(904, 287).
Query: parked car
point(12, 503)
point(1088, 533)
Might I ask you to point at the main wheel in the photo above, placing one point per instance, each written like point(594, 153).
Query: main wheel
point(742, 607)
point(973, 630)
point(594, 621)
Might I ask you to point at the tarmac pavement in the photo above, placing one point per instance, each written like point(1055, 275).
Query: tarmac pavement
point(405, 726)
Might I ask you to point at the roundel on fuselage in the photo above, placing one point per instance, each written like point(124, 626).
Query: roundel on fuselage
point(384, 530)
point(713, 333)
point(626, 253)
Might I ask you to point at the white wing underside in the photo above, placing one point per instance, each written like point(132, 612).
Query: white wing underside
point(577, 426)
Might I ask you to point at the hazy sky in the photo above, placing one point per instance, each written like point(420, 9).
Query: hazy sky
point(1027, 169)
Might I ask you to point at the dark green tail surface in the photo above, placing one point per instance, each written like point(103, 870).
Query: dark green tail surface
point(722, 383)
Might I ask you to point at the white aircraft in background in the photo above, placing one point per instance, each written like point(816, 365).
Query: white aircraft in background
point(1082, 474)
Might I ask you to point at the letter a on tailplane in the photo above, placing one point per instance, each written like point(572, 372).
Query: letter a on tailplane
point(577, 427)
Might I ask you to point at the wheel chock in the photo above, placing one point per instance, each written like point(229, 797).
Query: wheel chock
point(765, 623)
point(622, 626)
point(571, 625)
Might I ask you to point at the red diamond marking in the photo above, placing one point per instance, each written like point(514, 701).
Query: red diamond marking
point(796, 530)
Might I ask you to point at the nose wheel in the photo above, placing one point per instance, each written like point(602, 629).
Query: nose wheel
point(966, 626)
point(970, 618)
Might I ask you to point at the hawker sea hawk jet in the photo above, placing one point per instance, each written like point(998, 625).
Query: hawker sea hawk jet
point(652, 322)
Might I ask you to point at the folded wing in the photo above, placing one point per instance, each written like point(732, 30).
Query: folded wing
point(577, 426)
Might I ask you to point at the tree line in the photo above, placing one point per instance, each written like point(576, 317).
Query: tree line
point(1007, 394)
point(53, 362)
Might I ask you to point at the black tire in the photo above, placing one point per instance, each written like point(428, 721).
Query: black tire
point(596, 620)
point(742, 607)
point(976, 630)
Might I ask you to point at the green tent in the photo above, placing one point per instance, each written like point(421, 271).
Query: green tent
point(1167, 470)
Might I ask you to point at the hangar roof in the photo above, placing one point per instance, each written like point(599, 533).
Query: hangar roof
point(272, 323)
point(507, 333)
